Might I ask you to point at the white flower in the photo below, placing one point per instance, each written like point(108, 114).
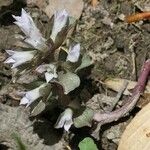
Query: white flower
point(50, 71)
point(74, 53)
point(65, 119)
point(19, 57)
point(60, 20)
point(26, 24)
point(32, 95)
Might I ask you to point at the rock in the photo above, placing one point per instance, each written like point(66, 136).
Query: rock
point(15, 120)
point(74, 7)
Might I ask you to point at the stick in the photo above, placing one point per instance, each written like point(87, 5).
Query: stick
point(116, 99)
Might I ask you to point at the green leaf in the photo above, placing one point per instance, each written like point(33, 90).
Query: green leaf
point(38, 108)
point(62, 55)
point(86, 61)
point(49, 27)
point(84, 119)
point(33, 84)
point(19, 143)
point(87, 144)
point(69, 81)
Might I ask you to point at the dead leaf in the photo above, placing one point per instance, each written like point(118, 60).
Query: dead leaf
point(5, 2)
point(74, 7)
point(107, 21)
point(27, 78)
point(116, 83)
point(144, 100)
point(137, 134)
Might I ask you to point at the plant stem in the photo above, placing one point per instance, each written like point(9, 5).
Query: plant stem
point(131, 102)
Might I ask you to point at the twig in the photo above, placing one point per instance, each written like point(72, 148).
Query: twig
point(139, 88)
point(116, 99)
point(133, 55)
point(138, 17)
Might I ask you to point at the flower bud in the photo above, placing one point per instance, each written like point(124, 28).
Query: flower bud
point(33, 35)
point(65, 119)
point(17, 58)
point(74, 53)
point(32, 95)
point(60, 20)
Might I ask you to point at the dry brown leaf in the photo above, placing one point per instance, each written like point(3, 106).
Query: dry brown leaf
point(74, 7)
point(115, 84)
point(137, 134)
point(144, 100)
point(5, 2)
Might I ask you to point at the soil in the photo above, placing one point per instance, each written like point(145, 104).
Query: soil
point(117, 48)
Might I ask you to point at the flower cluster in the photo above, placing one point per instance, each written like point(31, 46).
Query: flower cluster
point(40, 56)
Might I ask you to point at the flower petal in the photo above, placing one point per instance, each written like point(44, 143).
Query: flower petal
point(19, 57)
point(10, 52)
point(68, 124)
point(41, 68)
point(32, 95)
point(50, 71)
point(74, 53)
point(60, 122)
point(9, 60)
point(24, 101)
point(26, 24)
point(16, 64)
point(65, 119)
point(60, 20)
point(49, 76)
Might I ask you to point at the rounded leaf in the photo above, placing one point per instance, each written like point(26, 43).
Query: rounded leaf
point(84, 119)
point(69, 81)
point(87, 144)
